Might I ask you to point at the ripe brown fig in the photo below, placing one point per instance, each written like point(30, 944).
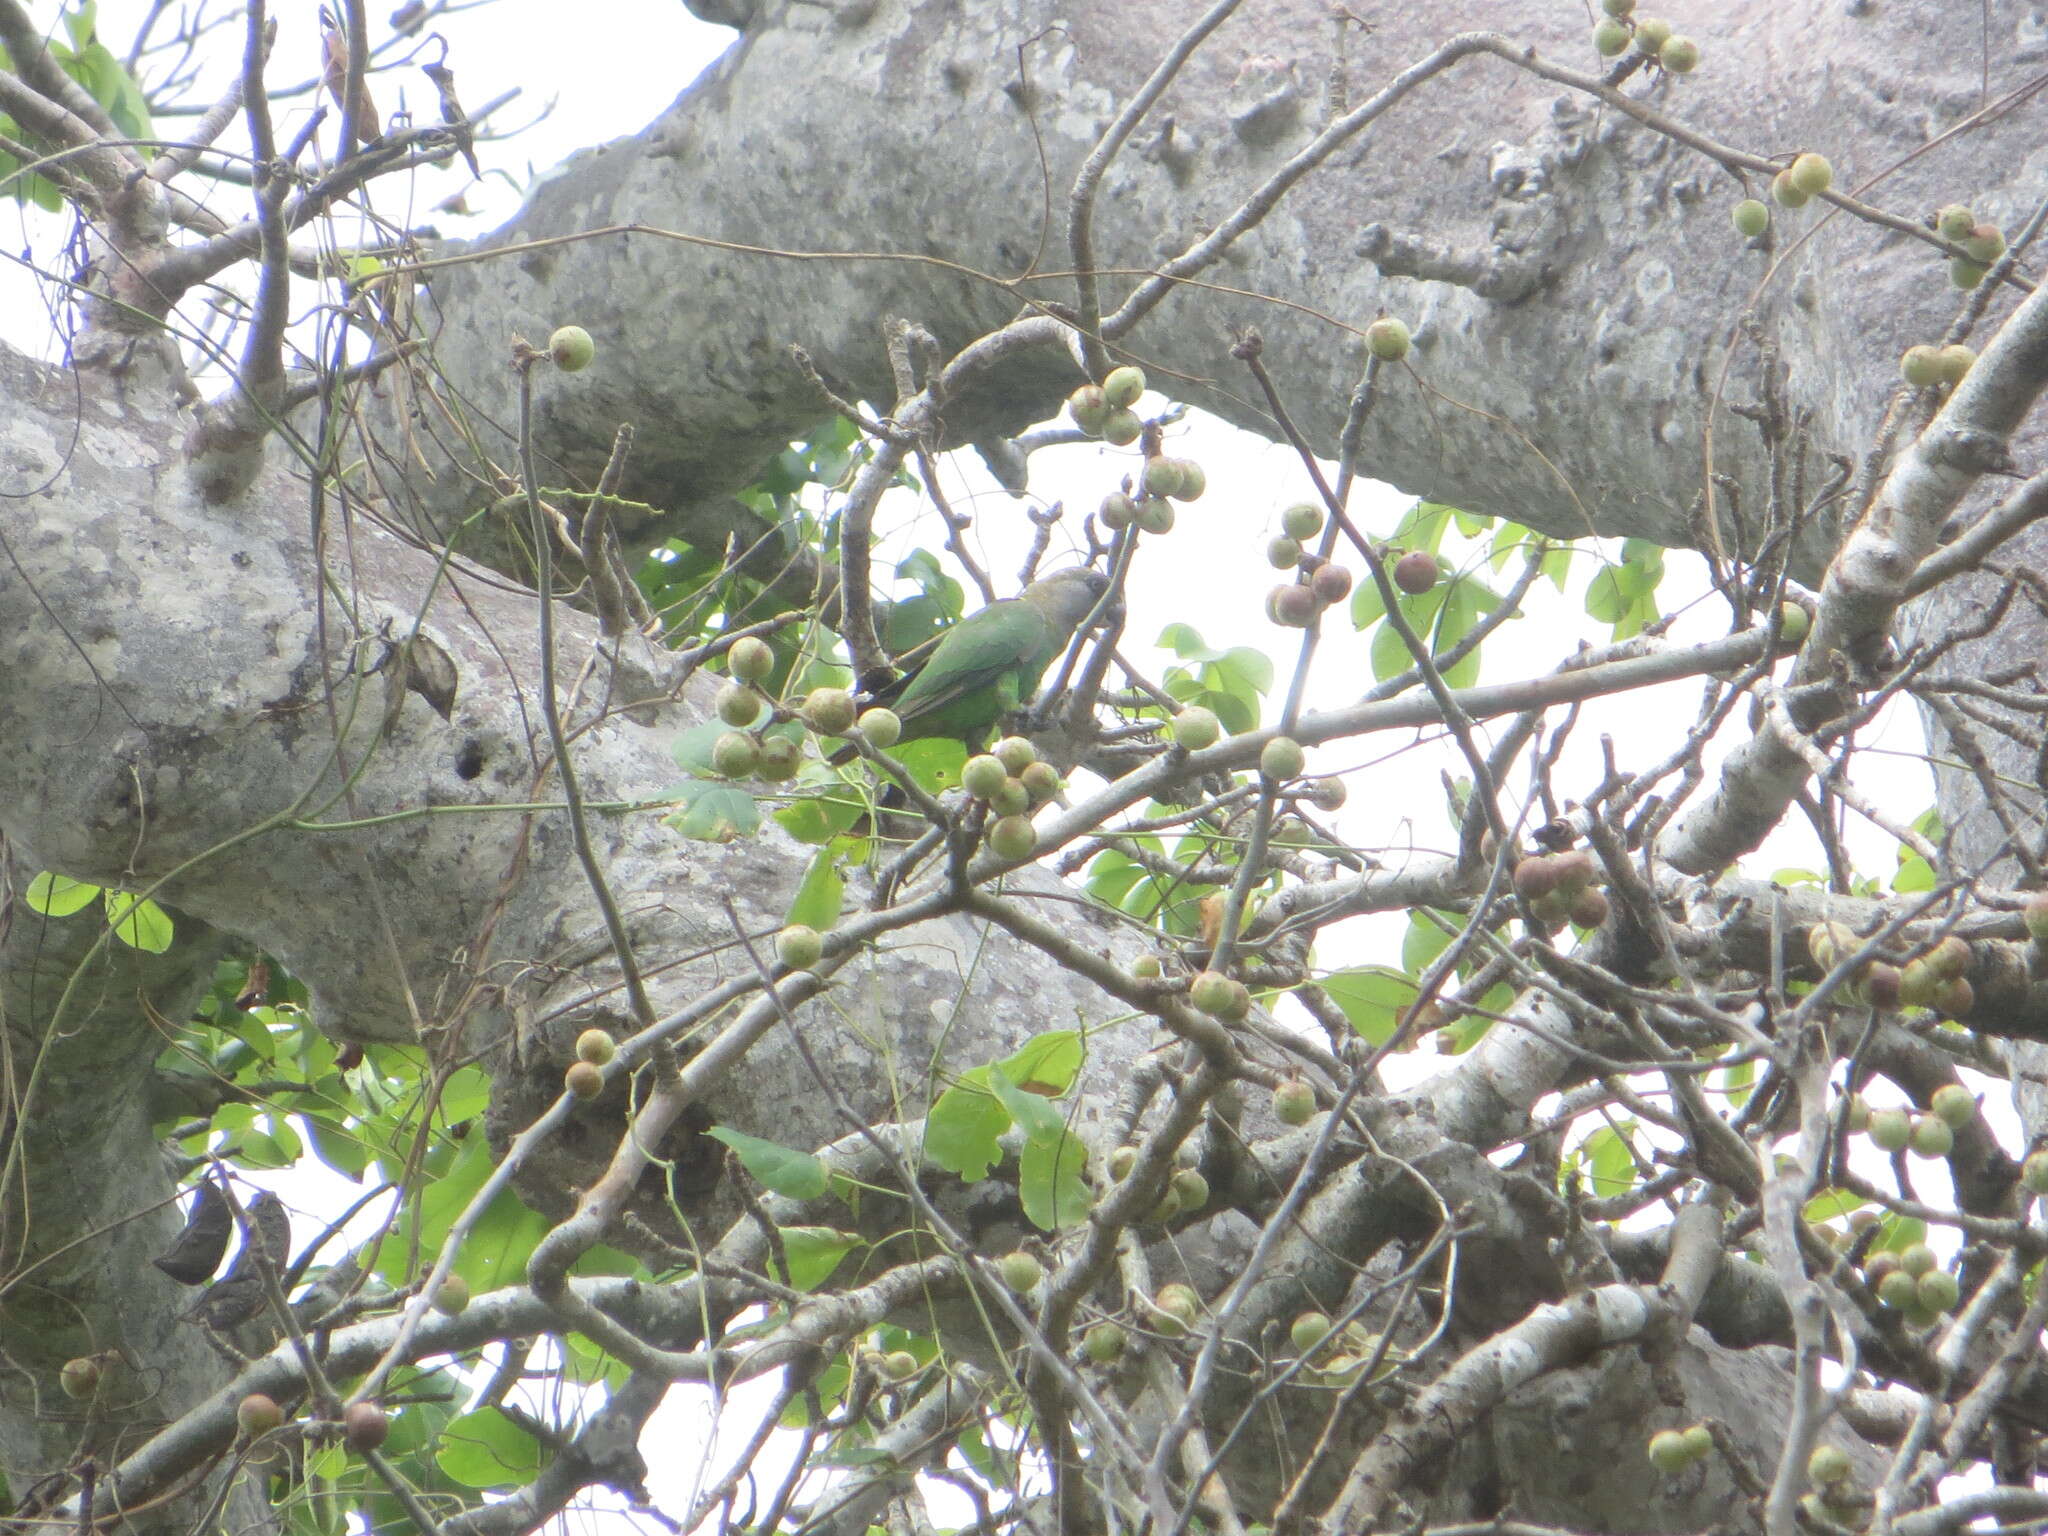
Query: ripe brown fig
point(1535, 877)
point(1590, 908)
point(1331, 584)
point(364, 1426)
point(1415, 572)
point(583, 1080)
point(1327, 794)
point(1292, 606)
point(257, 1414)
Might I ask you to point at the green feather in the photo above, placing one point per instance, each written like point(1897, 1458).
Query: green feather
point(991, 662)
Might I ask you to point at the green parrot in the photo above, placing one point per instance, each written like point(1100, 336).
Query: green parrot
point(990, 663)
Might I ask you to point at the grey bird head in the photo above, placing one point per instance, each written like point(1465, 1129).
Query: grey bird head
point(1067, 597)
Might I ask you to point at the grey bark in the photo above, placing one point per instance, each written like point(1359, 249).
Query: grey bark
point(1584, 287)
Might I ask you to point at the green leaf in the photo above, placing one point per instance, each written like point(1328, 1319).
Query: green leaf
point(796, 1175)
point(1241, 666)
point(1111, 875)
point(1610, 1166)
point(1372, 998)
point(499, 1244)
point(81, 22)
point(487, 1450)
point(830, 1386)
point(814, 1252)
point(336, 1146)
point(1050, 1182)
point(922, 567)
point(818, 897)
point(273, 1145)
point(820, 818)
point(934, 763)
point(139, 922)
point(1423, 525)
point(57, 895)
point(713, 812)
point(1046, 1063)
point(1832, 1205)
point(1037, 1118)
point(1427, 937)
point(1186, 643)
point(962, 1128)
point(465, 1095)
point(1738, 1081)
point(1913, 874)
point(692, 749)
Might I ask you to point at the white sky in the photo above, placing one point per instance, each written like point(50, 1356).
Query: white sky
point(624, 64)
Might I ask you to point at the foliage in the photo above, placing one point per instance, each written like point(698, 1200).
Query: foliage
point(951, 1121)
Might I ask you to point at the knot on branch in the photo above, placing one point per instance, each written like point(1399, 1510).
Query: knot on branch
point(1974, 452)
point(1490, 272)
point(1265, 100)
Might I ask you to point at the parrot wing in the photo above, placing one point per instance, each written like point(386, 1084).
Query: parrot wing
point(1004, 637)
